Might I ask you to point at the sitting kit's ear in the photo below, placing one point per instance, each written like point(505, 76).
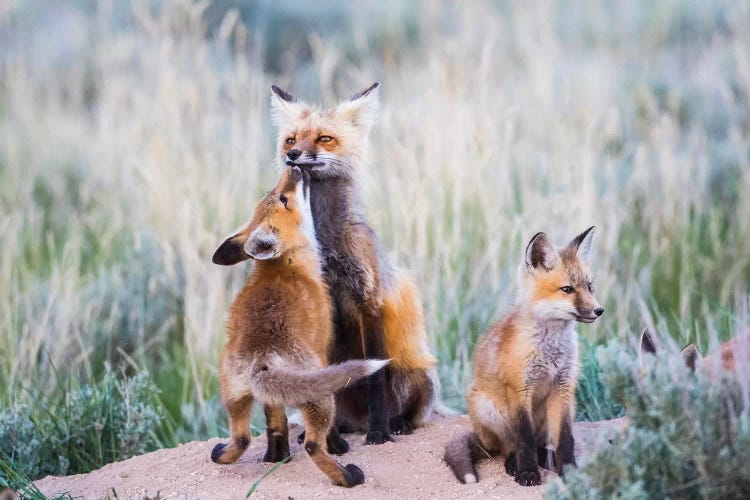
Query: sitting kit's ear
point(231, 251)
point(541, 253)
point(583, 243)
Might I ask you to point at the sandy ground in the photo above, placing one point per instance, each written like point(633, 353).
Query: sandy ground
point(410, 468)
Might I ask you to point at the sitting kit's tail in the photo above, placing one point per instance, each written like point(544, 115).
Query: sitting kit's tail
point(461, 455)
point(288, 386)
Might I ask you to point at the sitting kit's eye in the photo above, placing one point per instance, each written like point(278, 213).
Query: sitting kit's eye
point(290, 141)
point(567, 289)
point(284, 200)
point(325, 138)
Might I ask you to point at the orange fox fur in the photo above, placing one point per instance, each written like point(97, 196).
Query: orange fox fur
point(377, 308)
point(279, 333)
point(522, 400)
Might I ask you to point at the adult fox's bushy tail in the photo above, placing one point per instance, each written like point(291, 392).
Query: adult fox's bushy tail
point(287, 386)
point(461, 455)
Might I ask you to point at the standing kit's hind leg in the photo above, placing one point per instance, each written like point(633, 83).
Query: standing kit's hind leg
point(318, 420)
point(239, 426)
point(277, 433)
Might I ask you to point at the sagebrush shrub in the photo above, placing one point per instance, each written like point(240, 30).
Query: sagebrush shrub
point(91, 426)
point(688, 437)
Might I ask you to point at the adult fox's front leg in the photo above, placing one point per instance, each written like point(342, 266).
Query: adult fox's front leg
point(378, 430)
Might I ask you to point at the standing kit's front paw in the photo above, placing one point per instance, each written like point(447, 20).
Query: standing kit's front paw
point(353, 475)
point(400, 426)
point(217, 453)
point(528, 477)
point(378, 437)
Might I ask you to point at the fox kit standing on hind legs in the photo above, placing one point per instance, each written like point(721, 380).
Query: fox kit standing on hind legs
point(522, 400)
point(377, 309)
point(279, 332)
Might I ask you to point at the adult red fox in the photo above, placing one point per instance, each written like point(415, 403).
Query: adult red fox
point(522, 400)
point(377, 309)
point(279, 332)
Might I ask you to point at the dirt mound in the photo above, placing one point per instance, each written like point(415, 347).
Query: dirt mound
point(410, 468)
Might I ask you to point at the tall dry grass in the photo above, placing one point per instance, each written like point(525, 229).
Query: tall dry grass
point(129, 149)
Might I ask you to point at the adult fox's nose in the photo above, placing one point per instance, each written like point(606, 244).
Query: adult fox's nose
point(599, 311)
point(293, 154)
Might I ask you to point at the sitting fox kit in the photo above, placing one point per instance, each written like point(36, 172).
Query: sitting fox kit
point(279, 332)
point(377, 309)
point(522, 400)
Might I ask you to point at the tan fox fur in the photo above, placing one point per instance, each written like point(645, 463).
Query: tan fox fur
point(377, 308)
point(522, 400)
point(279, 333)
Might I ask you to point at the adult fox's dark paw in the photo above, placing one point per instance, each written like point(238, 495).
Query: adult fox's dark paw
point(337, 445)
point(378, 437)
point(400, 426)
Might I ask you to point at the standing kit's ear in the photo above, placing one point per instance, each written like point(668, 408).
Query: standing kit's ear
point(231, 251)
point(541, 253)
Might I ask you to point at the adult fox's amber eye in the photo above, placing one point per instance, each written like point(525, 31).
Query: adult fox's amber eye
point(567, 289)
point(284, 200)
point(290, 141)
point(325, 138)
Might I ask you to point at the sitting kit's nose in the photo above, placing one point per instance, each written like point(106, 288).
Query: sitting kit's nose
point(293, 154)
point(599, 311)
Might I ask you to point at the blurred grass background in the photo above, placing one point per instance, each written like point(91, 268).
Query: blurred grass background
point(135, 136)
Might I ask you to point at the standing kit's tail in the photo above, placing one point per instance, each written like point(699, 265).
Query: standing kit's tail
point(288, 386)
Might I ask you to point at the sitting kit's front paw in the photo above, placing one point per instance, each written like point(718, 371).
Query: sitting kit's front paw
point(529, 477)
point(400, 426)
point(378, 437)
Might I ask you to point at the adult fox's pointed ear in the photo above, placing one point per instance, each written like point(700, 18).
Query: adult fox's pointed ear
point(284, 106)
point(231, 251)
point(362, 108)
point(541, 253)
point(583, 244)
